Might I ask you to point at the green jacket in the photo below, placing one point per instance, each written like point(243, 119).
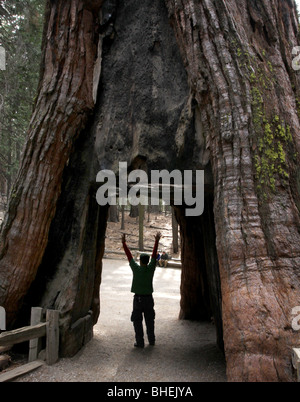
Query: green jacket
point(142, 281)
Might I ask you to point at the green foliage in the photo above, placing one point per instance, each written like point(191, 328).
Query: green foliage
point(273, 135)
point(21, 24)
point(271, 158)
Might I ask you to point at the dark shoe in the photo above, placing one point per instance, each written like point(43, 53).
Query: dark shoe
point(151, 341)
point(139, 345)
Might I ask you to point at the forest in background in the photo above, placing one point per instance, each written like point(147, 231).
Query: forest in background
point(21, 26)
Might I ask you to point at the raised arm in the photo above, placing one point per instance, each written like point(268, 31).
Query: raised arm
point(126, 249)
point(157, 238)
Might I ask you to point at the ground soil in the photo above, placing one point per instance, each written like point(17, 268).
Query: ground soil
point(153, 223)
point(184, 352)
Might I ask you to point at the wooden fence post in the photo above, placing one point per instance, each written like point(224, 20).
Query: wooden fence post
point(35, 344)
point(296, 362)
point(52, 336)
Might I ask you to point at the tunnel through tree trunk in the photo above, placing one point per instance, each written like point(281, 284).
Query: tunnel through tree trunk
point(200, 281)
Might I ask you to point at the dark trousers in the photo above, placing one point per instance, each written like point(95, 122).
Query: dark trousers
point(143, 305)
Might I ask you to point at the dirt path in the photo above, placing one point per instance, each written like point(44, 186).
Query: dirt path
point(157, 222)
point(185, 351)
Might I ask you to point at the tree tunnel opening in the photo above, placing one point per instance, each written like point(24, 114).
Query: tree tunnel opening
point(70, 274)
point(200, 286)
point(200, 280)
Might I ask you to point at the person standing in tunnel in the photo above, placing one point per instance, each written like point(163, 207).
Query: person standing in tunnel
point(142, 287)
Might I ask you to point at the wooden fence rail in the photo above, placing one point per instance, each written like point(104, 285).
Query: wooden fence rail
point(33, 334)
point(24, 334)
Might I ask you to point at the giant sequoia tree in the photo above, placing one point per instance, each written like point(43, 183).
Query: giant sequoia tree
point(215, 90)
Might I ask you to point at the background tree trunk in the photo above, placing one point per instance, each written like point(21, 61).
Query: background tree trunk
point(239, 62)
point(134, 211)
point(174, 233)
point(113, 213)
point(123, 217)
point(141, 226)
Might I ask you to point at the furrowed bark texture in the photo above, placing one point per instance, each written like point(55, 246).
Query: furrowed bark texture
point(227, 105)
point(64, 103)
point(239, 63)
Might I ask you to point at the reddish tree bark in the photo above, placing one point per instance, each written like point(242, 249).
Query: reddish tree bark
point(238, 56)
point(239, 62)
point(63, 105)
